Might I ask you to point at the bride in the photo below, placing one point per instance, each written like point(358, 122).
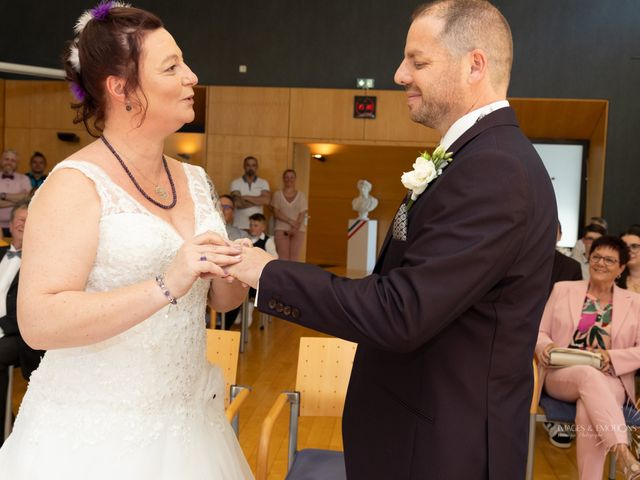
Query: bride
point(122, 251)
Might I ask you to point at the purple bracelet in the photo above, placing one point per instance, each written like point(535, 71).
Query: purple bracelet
point(160, 281)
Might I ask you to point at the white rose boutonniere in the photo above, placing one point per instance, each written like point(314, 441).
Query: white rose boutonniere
point(425, 169)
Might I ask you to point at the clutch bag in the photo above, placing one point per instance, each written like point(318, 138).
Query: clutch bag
point(567, 357)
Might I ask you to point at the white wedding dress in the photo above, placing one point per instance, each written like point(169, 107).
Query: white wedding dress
point(144, 404)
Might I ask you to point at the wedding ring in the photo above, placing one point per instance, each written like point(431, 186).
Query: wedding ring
point(203, 258)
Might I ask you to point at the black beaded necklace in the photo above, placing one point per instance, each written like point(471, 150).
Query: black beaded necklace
point(137, 185)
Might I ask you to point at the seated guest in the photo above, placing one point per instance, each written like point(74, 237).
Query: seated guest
point(630, 278)
point(580, 252)
point(257, 229)
point(595, 315)
point(228, 208)
point(234, 233)
point(564, 268)
point(13, 350)
point(14, 188)
point(37, 175)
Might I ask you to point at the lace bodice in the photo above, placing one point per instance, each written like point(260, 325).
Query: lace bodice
point(155, 374)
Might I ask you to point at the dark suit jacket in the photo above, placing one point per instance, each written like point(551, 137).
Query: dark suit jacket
point(447, 323)
point(29, 358)
point(564, 269)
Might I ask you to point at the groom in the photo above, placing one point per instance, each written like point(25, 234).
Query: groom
point(447, 323)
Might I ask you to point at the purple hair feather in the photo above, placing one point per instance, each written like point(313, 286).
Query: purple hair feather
point(77, 91)
point(101, 12)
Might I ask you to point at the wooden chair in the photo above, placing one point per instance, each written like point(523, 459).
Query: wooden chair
point(547, 409)
point(222, 350)
point(324, 368)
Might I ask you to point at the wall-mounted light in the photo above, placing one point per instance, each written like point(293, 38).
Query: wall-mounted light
point(68, 137)
point(320, 158)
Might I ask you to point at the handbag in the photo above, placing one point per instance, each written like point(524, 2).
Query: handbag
point(567, 357)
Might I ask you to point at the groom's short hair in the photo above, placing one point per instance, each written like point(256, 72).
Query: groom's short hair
point(470, 24)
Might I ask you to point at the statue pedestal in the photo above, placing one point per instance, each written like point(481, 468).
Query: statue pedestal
point(361, 247)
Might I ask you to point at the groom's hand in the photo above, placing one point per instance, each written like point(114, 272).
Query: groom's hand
point(248, 270)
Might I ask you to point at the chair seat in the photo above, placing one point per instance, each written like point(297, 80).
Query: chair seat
point(314, 464)
point(565, 412)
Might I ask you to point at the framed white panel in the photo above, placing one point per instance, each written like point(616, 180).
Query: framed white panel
point(564, 164)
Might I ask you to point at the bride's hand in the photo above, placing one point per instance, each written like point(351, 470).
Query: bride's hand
point(205, 256)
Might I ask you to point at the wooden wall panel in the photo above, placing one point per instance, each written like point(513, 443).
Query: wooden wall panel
point(596, 167)
point(18, 104)
point(225, 154)
point(324, 114)
point(558, 118)
point(39, 104)
point(192, 144)
point(27, 140)
point(248, 111)
point(392, 122)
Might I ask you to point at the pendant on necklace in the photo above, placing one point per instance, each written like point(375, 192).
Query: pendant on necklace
point(162, 193)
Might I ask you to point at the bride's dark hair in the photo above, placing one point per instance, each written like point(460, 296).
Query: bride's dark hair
point(107, 45)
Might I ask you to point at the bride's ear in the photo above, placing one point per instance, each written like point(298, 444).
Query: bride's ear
point(115, 89)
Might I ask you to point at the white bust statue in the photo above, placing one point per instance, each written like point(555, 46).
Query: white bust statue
point(364, 203)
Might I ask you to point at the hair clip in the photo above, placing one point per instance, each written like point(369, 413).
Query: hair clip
point(78, 92)
point(100, 12)
point(74, 56)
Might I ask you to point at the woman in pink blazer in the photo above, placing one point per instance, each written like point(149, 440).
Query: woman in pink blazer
point(595, 315)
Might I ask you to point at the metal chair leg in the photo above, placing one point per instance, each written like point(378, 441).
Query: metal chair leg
point(612, 466)
point(244, 326)
point(8, 413)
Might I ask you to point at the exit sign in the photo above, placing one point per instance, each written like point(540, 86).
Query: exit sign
point(364, 107)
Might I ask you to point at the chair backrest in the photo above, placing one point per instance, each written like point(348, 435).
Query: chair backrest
point(324, 368)
point(222, 350)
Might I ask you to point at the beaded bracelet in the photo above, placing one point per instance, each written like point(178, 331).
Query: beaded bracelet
point(160, 281)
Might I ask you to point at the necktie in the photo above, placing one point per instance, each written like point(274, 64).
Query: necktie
point(8, 175)
point(12, 253)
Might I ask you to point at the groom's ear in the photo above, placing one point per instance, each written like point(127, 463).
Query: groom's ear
point(478, 66)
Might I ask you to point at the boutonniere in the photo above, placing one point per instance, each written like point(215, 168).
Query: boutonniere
point(425, 169)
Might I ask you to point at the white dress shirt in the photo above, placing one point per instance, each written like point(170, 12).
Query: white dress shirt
point(465, 122)
point(8, 269)
point(254, 189)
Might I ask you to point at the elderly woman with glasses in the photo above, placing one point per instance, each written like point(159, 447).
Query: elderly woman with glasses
point(595, 315)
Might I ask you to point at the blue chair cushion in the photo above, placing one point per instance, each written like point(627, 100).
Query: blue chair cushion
point(314, 464)
point(565, 412)
point(557, 410)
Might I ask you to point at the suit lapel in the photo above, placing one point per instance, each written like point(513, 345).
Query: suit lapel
point(502, 116)
point(576, 302)
point(621, 307)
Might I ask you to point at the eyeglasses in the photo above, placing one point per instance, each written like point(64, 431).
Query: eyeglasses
point(590, 239)
point(227, 207)
point(608, 261)
point(634, 247)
